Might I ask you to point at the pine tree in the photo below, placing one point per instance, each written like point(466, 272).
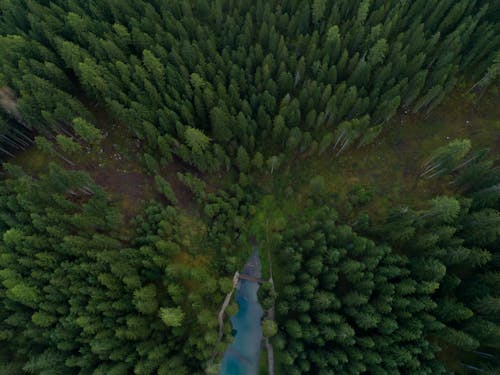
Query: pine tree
point(242, 160)
point(67, 145)
point(166, 189)
point(87, 131)
point(171, 316)
point(196, 140)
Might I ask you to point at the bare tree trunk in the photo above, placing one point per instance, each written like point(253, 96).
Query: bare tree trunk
point(465, 163)
point(478, 83)
point(346, 142)
point(20, 140)
point(484, 354)
point(338, 139)
point(59, 155)
point(436, 173)
point(10, 142)
point(471, 367)
point(428, 170)
point(6, 152)
point(22, 135)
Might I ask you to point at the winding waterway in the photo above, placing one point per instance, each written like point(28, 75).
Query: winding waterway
point(242, 356)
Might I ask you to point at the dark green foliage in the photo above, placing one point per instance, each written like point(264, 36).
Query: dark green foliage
point(248, 75)
point(227, 213)
point(345, 303)
point(447, 158)
point(360, 195)
point(77, 296)
point(267, 296)
point(459, 239)
point(348, 305)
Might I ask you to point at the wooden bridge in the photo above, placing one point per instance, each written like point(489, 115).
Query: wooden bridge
point(251, 278)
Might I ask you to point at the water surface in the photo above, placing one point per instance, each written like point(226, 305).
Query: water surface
point(242, 356)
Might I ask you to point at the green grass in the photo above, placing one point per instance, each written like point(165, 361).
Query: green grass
point(393, 162)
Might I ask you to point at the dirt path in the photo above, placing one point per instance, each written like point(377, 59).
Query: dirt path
point(236, 278)
point(220, 315)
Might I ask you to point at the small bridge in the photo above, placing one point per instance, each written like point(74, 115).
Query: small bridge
point(251, 278)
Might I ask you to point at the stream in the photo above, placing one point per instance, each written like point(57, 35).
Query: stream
point(242, 356)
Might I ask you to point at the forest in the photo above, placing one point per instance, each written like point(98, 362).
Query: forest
point(144, 144)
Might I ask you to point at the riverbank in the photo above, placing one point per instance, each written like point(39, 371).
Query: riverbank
point(242, 356)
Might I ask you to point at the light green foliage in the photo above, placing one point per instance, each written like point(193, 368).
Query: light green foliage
point(213, 369)
point(43, 320)
point(193, 183)
point(87, 131)
point(44, 145)
point(67, 144)
point(154, 65)
point(377, 52)
point(258, 161)
point(172, 316)
point(370, 134)
point(444, 209)
point(317, 185)
point(318, 10)
point(23, 293)
point(232, 309)
point(151, 163)
point(326, 141)
point(196, 140)
point(363, 10)
point(164, 188)
point(197, 81)
point(269, 328)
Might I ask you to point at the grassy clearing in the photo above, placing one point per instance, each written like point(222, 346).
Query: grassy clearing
point(393, 163)
point(113, 165)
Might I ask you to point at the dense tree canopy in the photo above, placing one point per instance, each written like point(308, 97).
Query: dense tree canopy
point(352, 306)
point(219, 91)
point(249, 75)
point(79, 295)
point(461, 236)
